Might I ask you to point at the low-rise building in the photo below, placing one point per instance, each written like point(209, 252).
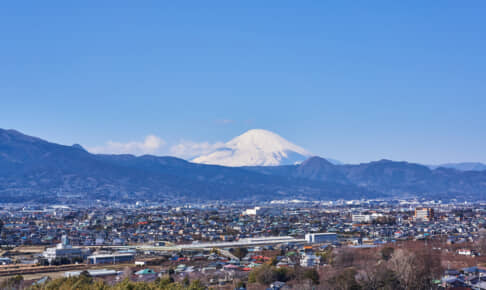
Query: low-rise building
point(310, 260)
point(316, 238)
point(257, 210)
point(94, 273)
point(62, 250)
point(365, 218)
point(5, 261)
point(110, 258)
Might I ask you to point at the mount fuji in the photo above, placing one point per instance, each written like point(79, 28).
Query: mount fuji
point(256, 147)
point(35, 170)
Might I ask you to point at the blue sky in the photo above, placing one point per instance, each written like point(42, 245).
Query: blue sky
point(351, 80)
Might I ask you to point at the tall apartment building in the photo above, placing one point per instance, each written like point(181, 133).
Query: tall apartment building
point(424, 214)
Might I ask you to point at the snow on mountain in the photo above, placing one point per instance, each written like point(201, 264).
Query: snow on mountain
point(255, 147)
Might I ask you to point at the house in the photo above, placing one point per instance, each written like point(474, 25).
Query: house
point(465, 252)
point(5, 261)
point(230, 267)
point(310, 260)
point(41, 281)
point(180, 268)
point(277, 285)
point(145, 272)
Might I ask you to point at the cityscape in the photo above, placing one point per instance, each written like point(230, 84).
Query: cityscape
point(242, 145)
point(228, 244)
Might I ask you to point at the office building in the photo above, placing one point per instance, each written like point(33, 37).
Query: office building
point(317, 238)
point(424, 214)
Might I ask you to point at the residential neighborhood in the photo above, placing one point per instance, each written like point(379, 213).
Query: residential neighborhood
point(221, 244)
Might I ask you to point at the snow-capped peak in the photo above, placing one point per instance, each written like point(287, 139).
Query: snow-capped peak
point(255, 147)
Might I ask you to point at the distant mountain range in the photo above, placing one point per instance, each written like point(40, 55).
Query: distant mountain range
point(463, 166)
point(32, 169)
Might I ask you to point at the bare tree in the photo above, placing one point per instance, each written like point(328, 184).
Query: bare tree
point(402, 264)
point(416, 269)
point(344, 258)
point(127, 273)
point(481, 242)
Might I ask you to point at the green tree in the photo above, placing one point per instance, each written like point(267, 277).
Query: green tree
point(196, 285)
point(85, 274)
point(265, 274)
point(185, 281)
point(326, 256)
point(312, 275)
point(165, 281)
point(240, 252)
point(284, 274)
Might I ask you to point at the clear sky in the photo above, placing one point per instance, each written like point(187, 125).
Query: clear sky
point(351, 80)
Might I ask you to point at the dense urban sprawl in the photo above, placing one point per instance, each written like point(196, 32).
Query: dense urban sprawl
point(278, 244)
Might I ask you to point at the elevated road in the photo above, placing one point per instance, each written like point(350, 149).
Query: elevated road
point(247, 242)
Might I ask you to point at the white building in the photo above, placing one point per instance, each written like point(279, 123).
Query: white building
point(317, 238)
point(261, 211)
point(465, 252)
point(365, 218)
point(5, 261)
point(310, 260)
point(62, 250)
point(94, 273)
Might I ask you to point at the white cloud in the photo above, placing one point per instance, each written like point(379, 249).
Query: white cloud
point(156, 146)
point(189, 149)
point(150, 145)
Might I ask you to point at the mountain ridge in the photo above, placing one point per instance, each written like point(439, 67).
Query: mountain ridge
point(32, 169)
point(462, 166)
